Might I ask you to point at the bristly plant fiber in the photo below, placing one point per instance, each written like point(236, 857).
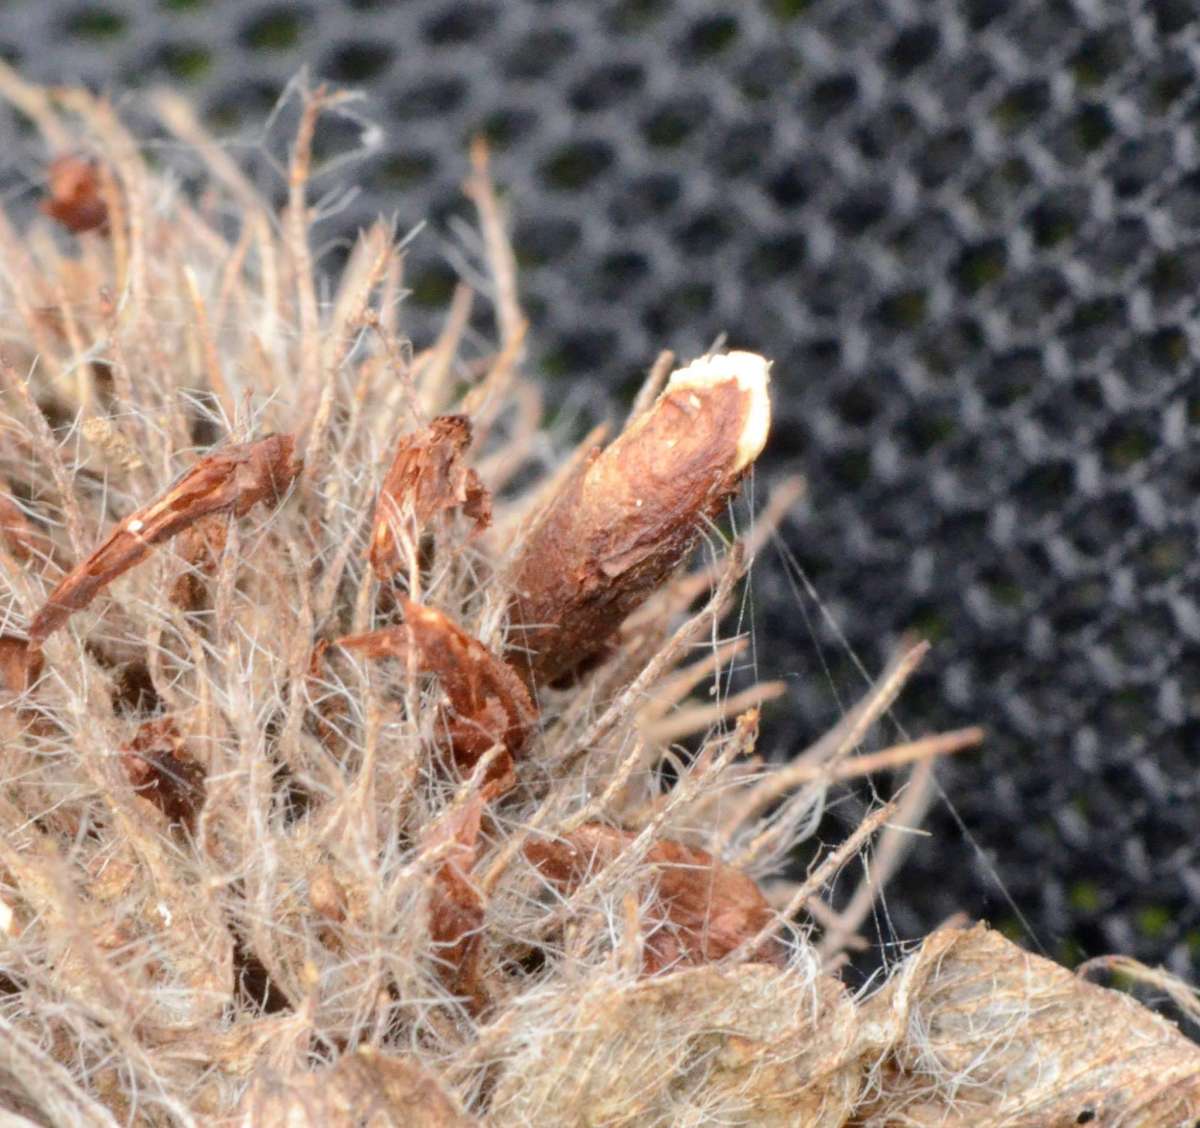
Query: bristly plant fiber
point(349, 779)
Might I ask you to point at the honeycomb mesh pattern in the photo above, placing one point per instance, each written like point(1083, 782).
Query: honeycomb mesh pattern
point(970, 234)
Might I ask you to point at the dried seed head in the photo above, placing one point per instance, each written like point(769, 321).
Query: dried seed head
point(622, 523)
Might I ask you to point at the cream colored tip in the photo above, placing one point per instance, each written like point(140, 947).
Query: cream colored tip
point(752, 373)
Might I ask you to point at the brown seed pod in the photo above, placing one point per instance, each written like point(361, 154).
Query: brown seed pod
point(630, 515)
point(428, 476)
point(74, 199)
point(703, 909)
point(232, 480)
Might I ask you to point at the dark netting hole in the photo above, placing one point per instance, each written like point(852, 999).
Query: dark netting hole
point(1161, 557)
point(1184, 202)
point(239, 105)
point(677, 310)
point(1094, 325)
point(645, 198)
point(1150, 358)
point(1022, 106)
point(544, 240)
point(276, 29)
point(632, 16)
point(1136, 643)
point(913, 48)
point(923, 431)
point(431, 97)
point(432, 285)
point(1171, 16)
point(358, 61)
point(1055, 219)
point(539, 53)
point(1046, 489)
point(1091, 128)
point(620, 272)
point(704, 234)
point(1077, 604)
point(1102, 525)
point(857, 406)
point(831, 96)
point(1175, 274)
point(185, 62)
point(1142, 164)
point(903, 311)
point(94, 24)
point(402, 171)
point(1127, 443)
point(862, 209)
point(943, 156)
point(670, 125)
point(1009, 378)
point(580, 352)
point(793, 185)
point(768, 71)
point(460, 23)
point(575, 165)
point(980, 265)
point(508, 126)
point(709, 37)
point(1100, 57)
point(607, 85)
point(774, 258)
point(741, 149)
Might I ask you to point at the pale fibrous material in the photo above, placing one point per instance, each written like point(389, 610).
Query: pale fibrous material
point(368, 756)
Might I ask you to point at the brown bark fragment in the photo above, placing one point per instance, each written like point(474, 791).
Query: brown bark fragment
point(702, 909)
point(456, 907)
point(428, 476)
point(488, 702)
point(20, 664)
point(630, 515)
point(233, 481)
point(74, 198)
point(162, 771)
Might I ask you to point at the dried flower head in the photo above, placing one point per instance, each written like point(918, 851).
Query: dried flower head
point(305, 826)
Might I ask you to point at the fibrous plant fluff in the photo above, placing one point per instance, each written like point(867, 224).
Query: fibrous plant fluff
point(359, 765)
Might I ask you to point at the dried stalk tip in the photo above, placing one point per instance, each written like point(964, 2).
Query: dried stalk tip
point(630, 515)
point(230, 481)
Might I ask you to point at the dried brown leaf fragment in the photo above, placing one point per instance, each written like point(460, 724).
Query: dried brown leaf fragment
point(17, 531)
point(74, 198)
point(631, 513)
point(488, 702)
point(20, 664)
point(163, 772)
point(456, 906)
point(231, 481)
point(428, 476)
point(701, 909)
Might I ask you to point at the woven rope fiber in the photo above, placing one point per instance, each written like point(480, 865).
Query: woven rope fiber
point(969, 235)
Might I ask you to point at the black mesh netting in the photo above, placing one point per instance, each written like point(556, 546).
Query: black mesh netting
point(970, 234)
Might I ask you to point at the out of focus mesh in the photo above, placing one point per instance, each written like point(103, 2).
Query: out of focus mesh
point(970, 234)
